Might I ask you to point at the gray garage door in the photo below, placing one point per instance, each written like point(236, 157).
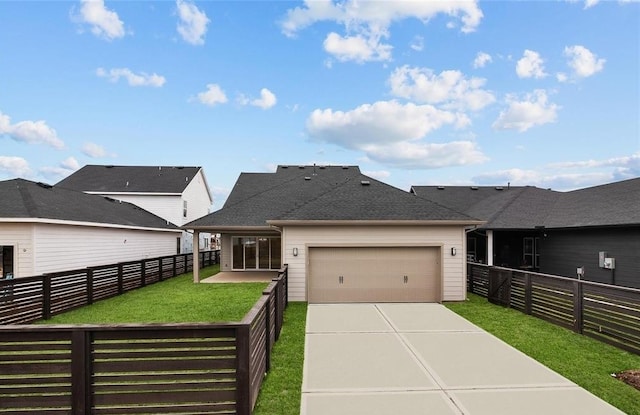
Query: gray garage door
point(374, 274)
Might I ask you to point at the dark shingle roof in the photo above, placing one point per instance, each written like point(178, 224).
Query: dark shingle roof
point(315, 193)
point(613, 204)
point(24, 199)
point(125, 179)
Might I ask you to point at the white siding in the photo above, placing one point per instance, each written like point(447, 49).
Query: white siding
point(167, 207)
point(198, 199)
point(301, 237)
point(66, 247)
point(20, 236)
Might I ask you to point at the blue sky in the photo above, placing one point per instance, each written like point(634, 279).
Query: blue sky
point(543, 93)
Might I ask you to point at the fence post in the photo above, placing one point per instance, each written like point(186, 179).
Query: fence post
point(267, 343)
point(175, 266)
point(143, 273)
point(120, 277)
point(46, 297)
point(89, 285)
point(469, 278)
point(81, 372)
point(577, 306)
point(527, 293)
point(243, 372)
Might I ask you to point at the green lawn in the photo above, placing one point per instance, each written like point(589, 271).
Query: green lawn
point(585, 361)
point(281, 390)
point(176, 300)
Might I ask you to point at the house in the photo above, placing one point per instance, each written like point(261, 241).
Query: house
point(345, 236)
point(46, 229)
point(552, 232)
point(176, 194)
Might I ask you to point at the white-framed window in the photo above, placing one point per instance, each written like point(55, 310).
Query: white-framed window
point(184, 208)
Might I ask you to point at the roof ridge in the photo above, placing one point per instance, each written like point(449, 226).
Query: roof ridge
point(509, 203)
point(432, 201)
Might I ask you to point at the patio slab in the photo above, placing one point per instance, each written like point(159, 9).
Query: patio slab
point(239, 276)
point(346, 318)
point(418, 403)
point(479, 360)
point(565, 401)
point(424, 317)
point(390, 359)
point(360, 362)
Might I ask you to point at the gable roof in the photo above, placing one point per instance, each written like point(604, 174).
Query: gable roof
point(130, 179)
point(313, 193)
point(26, 201)
point(613, 204)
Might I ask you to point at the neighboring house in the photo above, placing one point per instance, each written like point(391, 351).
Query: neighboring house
point(345, 236)
point(552, 232)
point(177, 194)
point(47, 229)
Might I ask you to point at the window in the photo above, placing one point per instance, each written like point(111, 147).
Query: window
point(531, 252)
point(256, 252)
point(471, 249)
point(184, 208)
point(6, 262)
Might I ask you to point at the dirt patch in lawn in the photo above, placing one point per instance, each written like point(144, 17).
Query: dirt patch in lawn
point(630, 377)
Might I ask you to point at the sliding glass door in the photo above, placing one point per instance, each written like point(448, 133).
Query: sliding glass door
point(256, 252)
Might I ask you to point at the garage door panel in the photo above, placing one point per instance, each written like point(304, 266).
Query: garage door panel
point(374, 274)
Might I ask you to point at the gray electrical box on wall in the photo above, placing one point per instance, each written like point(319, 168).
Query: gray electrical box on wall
point(602, 255)
point(610, 263)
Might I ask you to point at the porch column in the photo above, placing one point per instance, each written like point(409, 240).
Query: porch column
point(196, 256)
point(489, 247)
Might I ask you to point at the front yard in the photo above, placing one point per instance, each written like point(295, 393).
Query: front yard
point(176, 300)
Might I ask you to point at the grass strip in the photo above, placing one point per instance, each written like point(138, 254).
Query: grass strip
point(176, 300)
point(583, 360)
point(282, 388)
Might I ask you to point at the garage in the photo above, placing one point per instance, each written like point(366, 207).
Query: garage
point(374, 274)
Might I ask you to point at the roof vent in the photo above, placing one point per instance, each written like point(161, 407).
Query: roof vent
point(301, 167)
point(110, 166)
point(345, 167)
point(44, 185)
point(365, 182)
point(284, 167)
point(307, 178)
point(499, 188)
point(323, 167)
point(474, 187)
point(440, 187)
point(186, 179)
point(126, 185)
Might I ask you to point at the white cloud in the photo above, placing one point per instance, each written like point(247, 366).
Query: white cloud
point(625, 166)
point(32, 132)
point(562, 77)
point(583, 62)
point(140, 79)
point(267, 99)
point(417, 44)
point(15, 166)
point(367, 22)
point(65, 168)
point(531, 65)
point(193, 22)
point(212, 96)
point(450, 88)
point(521, 115)
point(93, 150)
point(392, 133)
point(590, 3)
point(377, 174)
point(481, 60)
point(359, 48)
point(104, 23)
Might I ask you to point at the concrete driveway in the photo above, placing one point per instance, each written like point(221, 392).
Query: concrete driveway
point(375, 359)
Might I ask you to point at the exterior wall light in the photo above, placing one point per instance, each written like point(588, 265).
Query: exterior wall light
point(453, 251)
point(295, 251)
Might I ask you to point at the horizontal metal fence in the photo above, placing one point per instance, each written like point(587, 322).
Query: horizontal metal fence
point(141, 368)
point(24, 300)
point(608, 313)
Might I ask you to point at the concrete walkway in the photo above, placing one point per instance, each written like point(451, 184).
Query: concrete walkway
point(391, 359)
